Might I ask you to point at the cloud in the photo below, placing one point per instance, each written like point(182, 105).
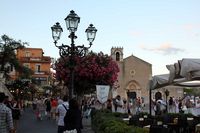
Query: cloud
point(190, 27)
point(165, 49)
point(136, 33)
point(196, 34)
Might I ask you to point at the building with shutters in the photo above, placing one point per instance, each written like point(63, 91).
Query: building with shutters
point(34, 59)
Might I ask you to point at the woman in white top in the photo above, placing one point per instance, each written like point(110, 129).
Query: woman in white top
point(60, 112)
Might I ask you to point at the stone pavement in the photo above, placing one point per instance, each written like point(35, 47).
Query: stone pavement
point(29, 124)
point(87, 126)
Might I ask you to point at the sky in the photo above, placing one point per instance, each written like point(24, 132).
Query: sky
point(160, 32)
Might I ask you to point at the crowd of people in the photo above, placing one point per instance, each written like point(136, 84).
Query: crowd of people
point(185, 105)
point(69, 113)
point(116, 104)
point(130, 106)
point(45, 107)
point(175, 105)
point(66, 113)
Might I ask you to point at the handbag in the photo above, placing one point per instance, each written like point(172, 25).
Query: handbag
point(70, 131)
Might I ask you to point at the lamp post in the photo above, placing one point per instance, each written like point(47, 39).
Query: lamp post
point(72, 21)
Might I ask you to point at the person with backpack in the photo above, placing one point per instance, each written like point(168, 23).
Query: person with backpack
point(61, 110)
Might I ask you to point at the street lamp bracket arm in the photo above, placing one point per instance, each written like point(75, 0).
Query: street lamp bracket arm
point(65, 46)
point(55, 42)
point(82, 50)
point(90, 44)
point(80, 47)
point(64, 52)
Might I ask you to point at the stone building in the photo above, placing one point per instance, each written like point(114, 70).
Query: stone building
point(176, 92)
point(133, 76)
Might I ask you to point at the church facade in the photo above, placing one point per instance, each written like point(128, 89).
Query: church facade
point(133, 77)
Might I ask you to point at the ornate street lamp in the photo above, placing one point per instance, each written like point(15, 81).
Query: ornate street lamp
point(72, 21)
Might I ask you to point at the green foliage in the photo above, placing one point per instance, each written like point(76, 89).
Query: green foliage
point(114, 126)
point(141, 114)
point(188, 90)
point(192, 91)
point(7, 55)
point(178, 115)
point(117, 114)
point(108, 122)
point(25, 73)
point(21, 88)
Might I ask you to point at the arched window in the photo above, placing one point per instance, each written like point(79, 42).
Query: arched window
point(117, 56)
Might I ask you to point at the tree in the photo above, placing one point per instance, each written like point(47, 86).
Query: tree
point(32, 89)
point(192, 91)
point(90, 70)
point(19, 88)
point(8, 46)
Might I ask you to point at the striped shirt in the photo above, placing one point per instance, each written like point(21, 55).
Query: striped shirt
point(6, 121)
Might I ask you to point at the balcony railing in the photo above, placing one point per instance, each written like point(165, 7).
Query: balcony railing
point(41, 72)
point(36, 59)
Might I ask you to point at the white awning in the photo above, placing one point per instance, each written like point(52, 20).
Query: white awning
point(4, 89)
point(185, 72)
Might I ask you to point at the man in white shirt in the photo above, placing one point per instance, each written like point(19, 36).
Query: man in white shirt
point(60, 112)
point(6, 120)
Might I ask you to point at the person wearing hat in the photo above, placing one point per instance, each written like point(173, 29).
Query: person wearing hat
point(6, 120)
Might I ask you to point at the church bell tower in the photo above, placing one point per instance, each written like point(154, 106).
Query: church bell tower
point(117, 53)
